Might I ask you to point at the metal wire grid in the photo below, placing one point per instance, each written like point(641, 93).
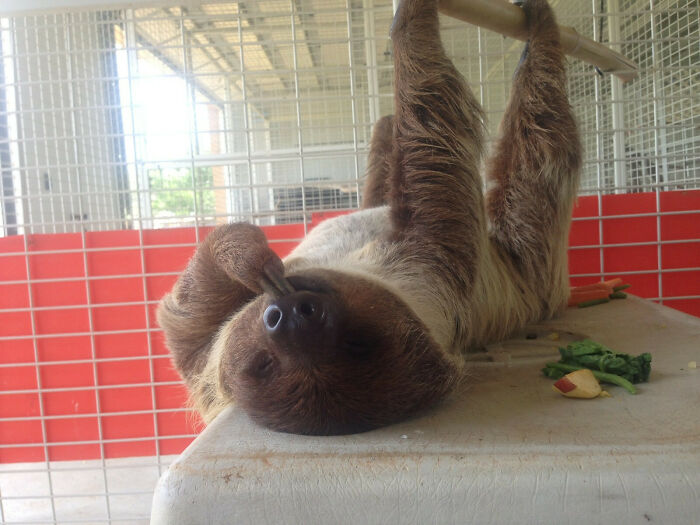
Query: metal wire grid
point(272, 102)
point(256, 122)
point(39, 492)
point(645, 134)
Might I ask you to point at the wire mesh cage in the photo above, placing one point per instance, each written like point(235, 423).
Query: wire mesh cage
point(127, 133)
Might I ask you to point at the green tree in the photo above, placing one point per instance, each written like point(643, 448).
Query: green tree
point(173, 191)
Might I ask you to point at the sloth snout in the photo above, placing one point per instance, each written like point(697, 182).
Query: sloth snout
point(299, 314)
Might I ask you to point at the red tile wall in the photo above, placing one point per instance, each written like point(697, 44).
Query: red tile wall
point(94, 296)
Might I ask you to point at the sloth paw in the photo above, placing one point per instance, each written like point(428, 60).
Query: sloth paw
point(242, 252)
point(272, 280)
point(411, 10)
point(539, 17)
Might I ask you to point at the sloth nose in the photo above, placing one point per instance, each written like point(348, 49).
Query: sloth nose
point(301, 311)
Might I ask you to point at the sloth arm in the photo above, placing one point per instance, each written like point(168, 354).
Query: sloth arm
point(437, 206)
point(375, 188)
point(435, 192)
point(224, 274)
point(532, 175)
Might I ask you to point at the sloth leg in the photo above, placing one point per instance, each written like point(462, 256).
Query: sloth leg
point(532, 175)
point(436, 190)
point(375, 185)
point(230, 267)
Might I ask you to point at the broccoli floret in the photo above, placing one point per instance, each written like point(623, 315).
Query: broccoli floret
point(606, 365)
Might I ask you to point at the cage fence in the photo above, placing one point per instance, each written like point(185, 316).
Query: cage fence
point(127, 133)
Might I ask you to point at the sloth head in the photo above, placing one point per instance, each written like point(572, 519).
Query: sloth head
point(338, 355)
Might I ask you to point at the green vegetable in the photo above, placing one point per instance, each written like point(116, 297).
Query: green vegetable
point(593, 302)
point(618, 295)
point(621, 287)
point(607, 365)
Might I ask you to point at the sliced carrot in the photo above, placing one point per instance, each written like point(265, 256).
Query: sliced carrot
point(595, 286)
point(594, 291)
point(612, 283)
point(577, 297)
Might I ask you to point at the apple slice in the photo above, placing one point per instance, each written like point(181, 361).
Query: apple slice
point(581, 384)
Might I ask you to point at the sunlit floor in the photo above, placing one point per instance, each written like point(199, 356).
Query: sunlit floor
point(116, 492)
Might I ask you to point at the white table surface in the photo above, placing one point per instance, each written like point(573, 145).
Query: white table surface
point(506, 450)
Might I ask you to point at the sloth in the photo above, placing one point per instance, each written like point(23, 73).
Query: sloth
point(370, 319)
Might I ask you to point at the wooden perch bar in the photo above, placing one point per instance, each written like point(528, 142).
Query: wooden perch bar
point(505, 18)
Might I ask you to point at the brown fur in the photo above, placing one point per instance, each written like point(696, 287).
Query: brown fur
point(530, 173)
point(378, 164)
point(328, 389)
point(405, 289)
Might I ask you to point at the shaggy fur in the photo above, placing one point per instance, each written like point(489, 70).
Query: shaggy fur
point(394, 295)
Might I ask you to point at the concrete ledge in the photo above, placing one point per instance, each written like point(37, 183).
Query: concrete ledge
point(508, 450)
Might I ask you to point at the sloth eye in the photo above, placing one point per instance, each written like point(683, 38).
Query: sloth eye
point(262, 366)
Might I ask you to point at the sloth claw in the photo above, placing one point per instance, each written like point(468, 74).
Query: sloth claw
point(273, 281)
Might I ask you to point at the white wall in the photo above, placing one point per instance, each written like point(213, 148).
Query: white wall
point(68, 153)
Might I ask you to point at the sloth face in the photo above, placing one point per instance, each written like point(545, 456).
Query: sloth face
point(338, 355)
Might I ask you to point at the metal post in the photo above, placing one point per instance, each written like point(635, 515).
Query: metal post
point(617, 96)
point(371, 58)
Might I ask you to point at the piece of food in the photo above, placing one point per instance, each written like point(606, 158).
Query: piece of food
point(581, 296)
point(597, 293)
point(605, 285)
point(692, 364)
point(605, 364)
point(601, 376)
point(594, 302)
point(612, 283)
point(581, 384)
point(601, 285)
